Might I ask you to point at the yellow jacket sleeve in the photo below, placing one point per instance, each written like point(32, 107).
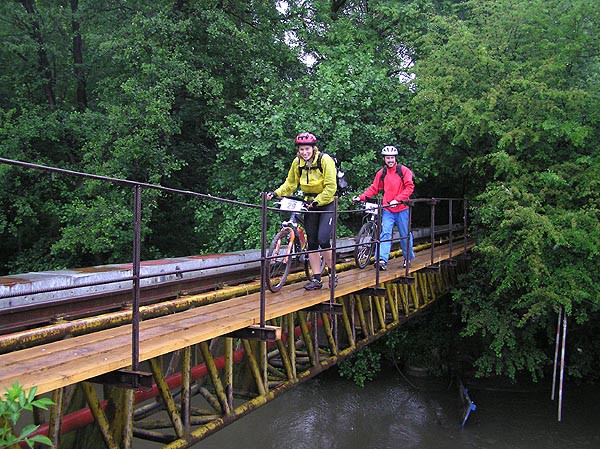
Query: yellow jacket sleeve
point(291, 182)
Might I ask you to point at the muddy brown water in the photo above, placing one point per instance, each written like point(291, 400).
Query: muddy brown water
point(332, 413)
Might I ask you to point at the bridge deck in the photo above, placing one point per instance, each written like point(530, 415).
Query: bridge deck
point(58, 364)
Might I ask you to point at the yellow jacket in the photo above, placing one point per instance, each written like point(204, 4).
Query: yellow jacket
point(317, 185)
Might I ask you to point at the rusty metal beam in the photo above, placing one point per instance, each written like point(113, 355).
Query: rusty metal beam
point(99, 416)
point(166, 397)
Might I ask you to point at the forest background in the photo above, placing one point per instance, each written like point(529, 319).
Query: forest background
point(495, 101)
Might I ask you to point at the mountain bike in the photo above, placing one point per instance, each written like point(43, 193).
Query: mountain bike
point(289, 245)
point(366, 238)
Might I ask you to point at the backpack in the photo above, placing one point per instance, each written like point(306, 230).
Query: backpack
point(342, 182)
point(385, 170)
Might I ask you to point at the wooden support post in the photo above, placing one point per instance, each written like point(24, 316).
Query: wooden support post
point(430, 288)
point(166, 397)
point(379, 311)
point(392, 294)
point(262, 350)
point(349, 322)
point(98, 413)
point(56, 413)
point(315, 327)
point(329, 333)
point(306, 337)
point(211, 399)
point(186, 381)
point(229, 371)
point(214, 376)
point(292, 343)
point(353, 318)
point(254, 368)
point(371, 323)
point(128, 412)
point(419, 290)
point(361, 318)
point(415, 295)
point(285, 359)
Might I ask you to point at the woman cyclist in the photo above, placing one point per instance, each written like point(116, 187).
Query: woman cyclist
point(319, 187)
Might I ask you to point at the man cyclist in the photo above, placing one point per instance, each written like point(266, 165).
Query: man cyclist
point(396, 182)
point(319, 186)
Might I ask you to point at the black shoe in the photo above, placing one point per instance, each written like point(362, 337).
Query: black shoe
point(382, 265)
point(335, 281)
point(404, 264)
point(314, 285)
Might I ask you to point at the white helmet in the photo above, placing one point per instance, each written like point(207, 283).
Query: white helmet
point(389, 150)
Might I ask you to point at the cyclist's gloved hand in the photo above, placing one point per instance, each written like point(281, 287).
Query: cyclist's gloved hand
point(393, 203)
point(356, 199)
point(313, 205)
point(270, 195)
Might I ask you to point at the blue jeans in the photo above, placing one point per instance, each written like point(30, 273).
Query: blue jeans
point(400, 219)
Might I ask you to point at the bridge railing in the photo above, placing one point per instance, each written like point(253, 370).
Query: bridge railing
point(136, 276)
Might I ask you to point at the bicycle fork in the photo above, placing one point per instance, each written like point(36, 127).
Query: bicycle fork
point(289, 246)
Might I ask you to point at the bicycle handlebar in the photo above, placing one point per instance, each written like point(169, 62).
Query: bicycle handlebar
point(405, 202)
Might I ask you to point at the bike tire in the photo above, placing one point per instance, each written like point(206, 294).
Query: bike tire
point(279, 266)
point(365, 246)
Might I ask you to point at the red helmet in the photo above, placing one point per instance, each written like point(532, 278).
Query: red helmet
point(305, 139)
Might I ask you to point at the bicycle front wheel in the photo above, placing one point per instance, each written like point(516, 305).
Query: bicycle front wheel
point(365, 246)
point(280, 260)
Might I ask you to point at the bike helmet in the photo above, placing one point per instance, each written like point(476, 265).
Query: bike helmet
point(306, 139)
point(389, 150)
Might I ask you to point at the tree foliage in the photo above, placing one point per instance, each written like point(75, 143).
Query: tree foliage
point(510, 101)
point(12, 403)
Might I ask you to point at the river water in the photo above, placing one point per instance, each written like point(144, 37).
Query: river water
point(388, 413)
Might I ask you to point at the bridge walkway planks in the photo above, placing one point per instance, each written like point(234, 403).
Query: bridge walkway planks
point(62, 363)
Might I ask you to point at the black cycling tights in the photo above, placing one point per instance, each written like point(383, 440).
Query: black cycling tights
point(319, 227)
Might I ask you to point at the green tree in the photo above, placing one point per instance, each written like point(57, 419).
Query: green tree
point(508, 102)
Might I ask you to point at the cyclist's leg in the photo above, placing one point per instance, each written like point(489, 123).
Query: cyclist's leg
point(311, 228)
point(387, 226)
point(407, 242)
point(325, 232)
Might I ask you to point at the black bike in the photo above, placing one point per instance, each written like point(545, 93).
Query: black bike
point(367, 236)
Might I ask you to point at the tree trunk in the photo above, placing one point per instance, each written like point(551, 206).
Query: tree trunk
point(43, 63)
point(81, 98)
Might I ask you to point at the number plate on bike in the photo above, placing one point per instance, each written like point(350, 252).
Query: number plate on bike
point(371, 208)
point(291, 205)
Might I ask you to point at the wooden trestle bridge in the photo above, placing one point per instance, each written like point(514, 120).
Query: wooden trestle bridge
point(232, 351)
point(360, 314)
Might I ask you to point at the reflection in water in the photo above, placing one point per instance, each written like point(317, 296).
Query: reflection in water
point(332, 413)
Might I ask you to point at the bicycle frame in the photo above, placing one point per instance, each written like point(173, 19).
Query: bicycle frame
point(289, 244)
point(295, 223)
point(367, 237)
point(371, 211)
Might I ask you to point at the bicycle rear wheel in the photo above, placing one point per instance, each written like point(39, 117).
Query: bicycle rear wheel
point(279, 266)
point(365, 245)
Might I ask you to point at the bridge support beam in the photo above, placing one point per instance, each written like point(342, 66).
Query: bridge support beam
point(307, 346)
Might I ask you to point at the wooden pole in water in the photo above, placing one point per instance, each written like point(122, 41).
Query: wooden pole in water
point(556, 346)
point(562, 365)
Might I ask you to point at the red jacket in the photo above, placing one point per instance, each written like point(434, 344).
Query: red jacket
point(393, 186)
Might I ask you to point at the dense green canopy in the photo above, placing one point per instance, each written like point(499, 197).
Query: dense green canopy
point(496, 101)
